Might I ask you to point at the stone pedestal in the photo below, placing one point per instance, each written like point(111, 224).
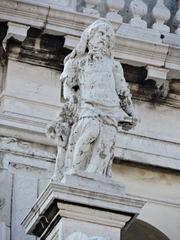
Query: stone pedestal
point(81, 207)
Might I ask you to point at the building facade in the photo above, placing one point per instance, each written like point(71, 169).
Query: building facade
point(35, 37)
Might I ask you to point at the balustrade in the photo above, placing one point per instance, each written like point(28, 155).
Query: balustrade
point(91, 8)
point(158, 14)
point(114, 7)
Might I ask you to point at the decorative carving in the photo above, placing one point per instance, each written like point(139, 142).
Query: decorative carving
point(94, 88)
point(138, 9)
point(17, 31)
point(115, 7)
point(83, 236)
point(161, 14)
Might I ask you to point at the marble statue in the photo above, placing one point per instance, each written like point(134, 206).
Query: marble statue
point(95, 89)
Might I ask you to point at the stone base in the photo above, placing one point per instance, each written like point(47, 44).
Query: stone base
point(96, 183)
point(81, 206)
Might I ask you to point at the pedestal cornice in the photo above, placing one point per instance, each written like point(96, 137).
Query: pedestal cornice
point(45, 211)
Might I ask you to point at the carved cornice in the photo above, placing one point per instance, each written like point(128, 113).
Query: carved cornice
point(27, 14)
point(23, 148)
point(57, 192)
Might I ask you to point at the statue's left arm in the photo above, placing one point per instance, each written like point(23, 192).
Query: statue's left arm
point(124, 95)
point(123, 90)
point(69, 79)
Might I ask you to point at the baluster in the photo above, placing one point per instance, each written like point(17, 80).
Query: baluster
point(102, 7)
point(138, 9)
point(80, 5)
point(114, 7)
point(161, 14)
point(90, 8)
point(177, 17)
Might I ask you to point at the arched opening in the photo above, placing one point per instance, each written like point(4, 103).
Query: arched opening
point(140, 230)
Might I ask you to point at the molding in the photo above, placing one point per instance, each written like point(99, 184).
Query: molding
point(134, 51)
point(8, 103)
point(25, 100)
point(94, 216)
point(156, 200)
point(27, 149)
point(124, 151)
point(140, 52)
point(26, 13)
point(166, 152)
point(129, 155)
point(173, 58)
point(173, 100)
point(87, 198)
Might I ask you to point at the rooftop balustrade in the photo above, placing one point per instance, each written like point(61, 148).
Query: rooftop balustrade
point(160, 15)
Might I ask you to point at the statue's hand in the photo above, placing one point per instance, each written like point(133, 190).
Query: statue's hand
point(128, 123)
point(69, 110)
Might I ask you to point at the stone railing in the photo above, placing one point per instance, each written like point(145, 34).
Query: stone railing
point(160, 15)
point(152, 14)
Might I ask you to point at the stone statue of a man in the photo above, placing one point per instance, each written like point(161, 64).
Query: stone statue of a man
point(95, 90)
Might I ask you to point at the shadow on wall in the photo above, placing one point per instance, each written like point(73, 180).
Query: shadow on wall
point(140, 230)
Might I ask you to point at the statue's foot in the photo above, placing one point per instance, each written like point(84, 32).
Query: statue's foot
point(56, 177)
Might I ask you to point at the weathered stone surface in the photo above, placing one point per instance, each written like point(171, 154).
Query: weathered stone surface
point(94, 88)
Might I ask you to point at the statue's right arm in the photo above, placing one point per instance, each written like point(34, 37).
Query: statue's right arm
point(69, 80)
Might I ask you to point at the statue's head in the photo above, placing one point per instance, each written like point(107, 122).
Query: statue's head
point(98, 37)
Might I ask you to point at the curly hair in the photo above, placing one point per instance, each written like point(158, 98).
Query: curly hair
point(88, 33)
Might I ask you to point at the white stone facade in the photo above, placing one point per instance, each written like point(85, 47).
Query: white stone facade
point(147, 157)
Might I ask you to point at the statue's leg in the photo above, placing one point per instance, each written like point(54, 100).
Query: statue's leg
point(70, 147)
point(59, 165)
point(88, 131)
point(103, 152)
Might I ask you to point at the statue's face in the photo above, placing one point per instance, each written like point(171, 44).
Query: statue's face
point(100, 40)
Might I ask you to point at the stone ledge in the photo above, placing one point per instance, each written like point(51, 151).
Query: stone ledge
point(84, 180)
point(47, 204)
